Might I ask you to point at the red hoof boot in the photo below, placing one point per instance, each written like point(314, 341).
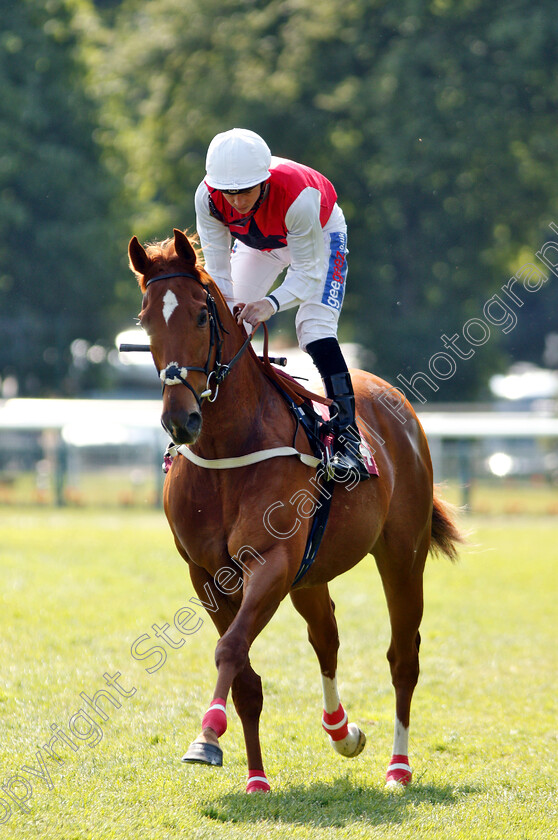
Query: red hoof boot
point(257, 782)
point(399, 773)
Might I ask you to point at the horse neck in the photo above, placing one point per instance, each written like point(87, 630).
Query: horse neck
point(239, 418)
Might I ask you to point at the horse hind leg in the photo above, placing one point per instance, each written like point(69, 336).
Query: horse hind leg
point(399, 772)
point(403, 588)
point(317, 608)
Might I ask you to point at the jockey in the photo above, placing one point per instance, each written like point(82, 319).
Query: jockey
point(281, 214)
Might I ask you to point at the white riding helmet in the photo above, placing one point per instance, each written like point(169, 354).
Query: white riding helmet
point(237, 160)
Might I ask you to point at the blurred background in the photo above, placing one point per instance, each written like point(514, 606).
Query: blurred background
point(436, 122)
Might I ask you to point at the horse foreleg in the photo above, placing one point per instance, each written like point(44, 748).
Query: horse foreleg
point(317, 608)
point(264, 588)
point(205, 748)
point(246, 690)
point(248, 700)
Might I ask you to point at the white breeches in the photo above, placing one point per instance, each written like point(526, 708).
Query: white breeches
point(255, 272)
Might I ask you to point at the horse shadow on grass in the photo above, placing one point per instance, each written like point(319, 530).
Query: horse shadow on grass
point(333, 804)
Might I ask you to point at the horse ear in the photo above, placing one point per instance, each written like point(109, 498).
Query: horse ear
point(139, 261)
point(183, 247)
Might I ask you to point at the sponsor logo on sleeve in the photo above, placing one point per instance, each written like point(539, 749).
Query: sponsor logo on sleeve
point(334, 288)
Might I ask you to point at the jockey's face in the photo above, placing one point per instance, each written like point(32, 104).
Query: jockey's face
point(244, 200)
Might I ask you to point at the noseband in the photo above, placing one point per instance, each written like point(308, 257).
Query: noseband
point(175, 374)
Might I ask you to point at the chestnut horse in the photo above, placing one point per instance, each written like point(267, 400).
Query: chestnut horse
point(242, 529)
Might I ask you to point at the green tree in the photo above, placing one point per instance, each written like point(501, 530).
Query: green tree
point(433, 118)
point(58, 249)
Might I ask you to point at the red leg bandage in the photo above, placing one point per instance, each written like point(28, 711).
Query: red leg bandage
point(216, 717)
point(257, 781)
point(399, 770)
point(335, 724)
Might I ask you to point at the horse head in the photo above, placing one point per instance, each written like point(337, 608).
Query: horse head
point(181, 317)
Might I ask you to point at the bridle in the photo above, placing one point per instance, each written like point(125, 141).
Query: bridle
point(175, 374)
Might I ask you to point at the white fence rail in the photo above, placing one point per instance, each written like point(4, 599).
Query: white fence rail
point(60, 441)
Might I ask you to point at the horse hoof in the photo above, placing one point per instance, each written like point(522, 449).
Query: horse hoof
point(353, 744)
point(395, 787)
point(399, 774)
point(202, 753)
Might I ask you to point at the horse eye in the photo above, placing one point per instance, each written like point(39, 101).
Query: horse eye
point(202, 318)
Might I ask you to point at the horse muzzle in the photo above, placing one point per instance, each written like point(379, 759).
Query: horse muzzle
point(183, 426)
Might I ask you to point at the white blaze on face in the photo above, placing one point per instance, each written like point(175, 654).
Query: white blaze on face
point(169, 304)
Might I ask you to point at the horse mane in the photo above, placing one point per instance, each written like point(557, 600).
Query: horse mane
point(165, 249)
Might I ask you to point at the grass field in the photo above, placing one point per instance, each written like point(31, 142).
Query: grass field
point(79, 587)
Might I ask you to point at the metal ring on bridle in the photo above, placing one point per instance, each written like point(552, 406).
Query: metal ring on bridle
point(207, 393)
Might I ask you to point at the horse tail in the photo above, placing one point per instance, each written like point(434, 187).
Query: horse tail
point(445, 535)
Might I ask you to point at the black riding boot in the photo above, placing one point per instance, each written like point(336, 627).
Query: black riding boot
point(328, 358)
point(347, 457)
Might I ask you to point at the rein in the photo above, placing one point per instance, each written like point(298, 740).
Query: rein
point(175, 374)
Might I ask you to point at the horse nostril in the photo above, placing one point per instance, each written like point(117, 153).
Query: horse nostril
point(193, 424)
point(183, 427)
